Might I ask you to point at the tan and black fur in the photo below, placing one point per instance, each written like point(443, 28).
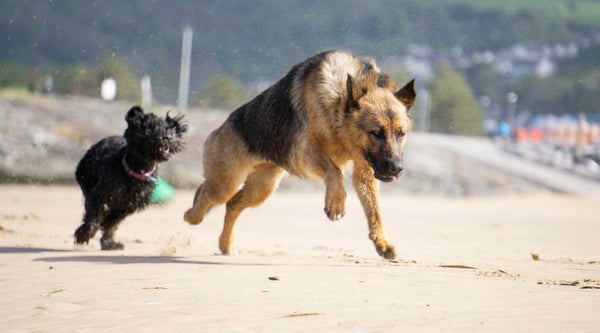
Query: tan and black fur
point(330, 111)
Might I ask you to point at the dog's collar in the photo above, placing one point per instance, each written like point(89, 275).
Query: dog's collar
point(141, 176)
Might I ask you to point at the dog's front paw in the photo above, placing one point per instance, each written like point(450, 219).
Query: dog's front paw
point(386, 250)
point(335, 205)
point(382, 246)
point(227, 248)
point(111, 245)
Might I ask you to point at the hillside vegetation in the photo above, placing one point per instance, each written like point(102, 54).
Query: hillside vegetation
point(260, 40)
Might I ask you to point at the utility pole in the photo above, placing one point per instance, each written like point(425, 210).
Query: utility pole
point(425, 98)
point(184, 73)
point(512, 98)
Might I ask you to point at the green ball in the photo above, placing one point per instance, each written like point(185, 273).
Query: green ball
point(163, 192)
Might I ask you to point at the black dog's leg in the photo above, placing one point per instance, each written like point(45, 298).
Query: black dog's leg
point(111, 222)
point(91, 222)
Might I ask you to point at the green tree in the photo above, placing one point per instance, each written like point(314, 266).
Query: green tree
point(572, 89)
point(128, 85)
point(486, 81)
point(454, 109)
point(224, 92)
point(77, 80)
point(561, 93)
point(85, 81)
point(18, 76)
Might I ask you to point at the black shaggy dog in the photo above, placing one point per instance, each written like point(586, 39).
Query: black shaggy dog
point(117, 175)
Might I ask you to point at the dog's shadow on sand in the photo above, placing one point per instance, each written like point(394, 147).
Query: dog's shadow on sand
point(109, 259)
point(126, 260)
point(6, 250)
point(123, 259)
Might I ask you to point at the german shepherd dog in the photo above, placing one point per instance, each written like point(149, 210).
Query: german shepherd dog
point(331, 110)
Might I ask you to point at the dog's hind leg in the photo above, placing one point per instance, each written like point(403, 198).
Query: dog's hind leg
point(227, 163)
point(111, 222)
point(258, 187)
point(216, 190)
point(94, 213)
point(367, 189)
point(202, 205)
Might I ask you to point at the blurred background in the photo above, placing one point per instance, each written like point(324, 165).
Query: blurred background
point(509, 91)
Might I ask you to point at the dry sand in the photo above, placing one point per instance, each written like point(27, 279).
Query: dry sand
point(464, 265)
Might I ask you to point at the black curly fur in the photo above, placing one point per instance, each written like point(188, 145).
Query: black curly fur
point(111, 194)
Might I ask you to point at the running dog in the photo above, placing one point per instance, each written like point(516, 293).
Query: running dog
point(330, 111)
point(117, 175)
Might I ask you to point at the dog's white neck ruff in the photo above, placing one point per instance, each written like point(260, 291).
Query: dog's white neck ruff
point(140, 176)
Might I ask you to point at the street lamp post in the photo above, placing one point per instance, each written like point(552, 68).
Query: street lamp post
point(425, 98)
point(184, 74)
point(512, 98)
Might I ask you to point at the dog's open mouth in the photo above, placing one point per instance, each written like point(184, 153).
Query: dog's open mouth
point(165, 153)
point(385, 178)
point(380, 175)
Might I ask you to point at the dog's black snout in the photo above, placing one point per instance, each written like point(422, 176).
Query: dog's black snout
point(394, 167)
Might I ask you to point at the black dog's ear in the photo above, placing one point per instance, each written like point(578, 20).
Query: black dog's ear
point(177, 123)
point(134, 115)
point(407, 94)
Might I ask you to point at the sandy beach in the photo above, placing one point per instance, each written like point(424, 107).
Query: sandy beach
point(463, 265)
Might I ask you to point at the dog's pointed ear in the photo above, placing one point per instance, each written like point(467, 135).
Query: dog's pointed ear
point(407, 94)
point(177, 123)
point(134, 115)
point(354, 93)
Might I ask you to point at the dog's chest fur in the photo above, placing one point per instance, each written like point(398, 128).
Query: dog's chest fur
point(134, 196)
point(104, 169)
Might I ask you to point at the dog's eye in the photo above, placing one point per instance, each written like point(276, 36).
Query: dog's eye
point(399, 136)
point(379, 134)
